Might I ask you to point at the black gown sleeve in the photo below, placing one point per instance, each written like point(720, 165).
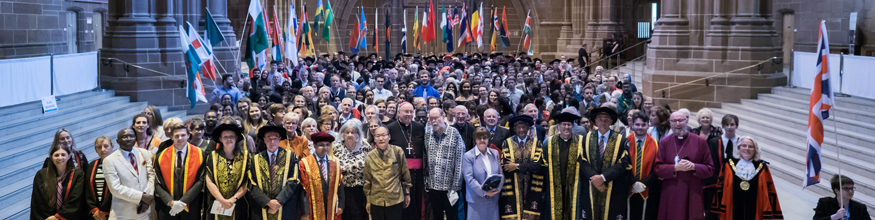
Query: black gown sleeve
point(73, 202)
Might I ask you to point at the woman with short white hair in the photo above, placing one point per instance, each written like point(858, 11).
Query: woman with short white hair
point(351, 151)
point(705, 129)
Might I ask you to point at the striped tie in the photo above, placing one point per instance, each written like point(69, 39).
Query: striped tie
point(602, 145)
point(134, 163)
point(60, 198)
point(638, 157)
point(324, 165)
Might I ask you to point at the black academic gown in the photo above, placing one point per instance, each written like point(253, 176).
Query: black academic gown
point(91, 202)
point(411, 139)
point(615, 168)
point(191, 197)
point(73, 191)
point(290, 196)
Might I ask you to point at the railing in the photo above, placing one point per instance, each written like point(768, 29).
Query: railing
point(758, 65)
point(608, 58)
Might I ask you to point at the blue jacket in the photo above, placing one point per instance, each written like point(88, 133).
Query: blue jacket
point(427, 89)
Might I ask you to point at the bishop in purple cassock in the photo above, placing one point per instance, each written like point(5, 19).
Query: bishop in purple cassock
point(682, 161)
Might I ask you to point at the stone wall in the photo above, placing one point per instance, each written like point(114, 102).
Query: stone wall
point(836, 13)
point(39, 28)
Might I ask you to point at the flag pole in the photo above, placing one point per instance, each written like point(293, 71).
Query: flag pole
point(838, 158)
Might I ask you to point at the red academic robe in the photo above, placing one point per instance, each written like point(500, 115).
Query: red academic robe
point(685, 187)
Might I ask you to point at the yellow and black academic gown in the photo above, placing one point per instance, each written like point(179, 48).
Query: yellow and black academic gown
point(644, 205)
point(323, 195)
point(94, 202)
point(732, 201)
point(72, 189)
point(283, 186)
point(228, 176)
point(563, 178)
point(615, 167)
point(522, 194)
point(185, 185)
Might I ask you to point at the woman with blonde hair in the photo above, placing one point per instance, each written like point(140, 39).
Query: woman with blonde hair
point(65, 139)
point(253, 121)
point(153, 113)
point(97, 199)
point(308, 128)
point(745, 189)
point(705, 129)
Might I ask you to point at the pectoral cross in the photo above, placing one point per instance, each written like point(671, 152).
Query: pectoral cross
point(409, 148)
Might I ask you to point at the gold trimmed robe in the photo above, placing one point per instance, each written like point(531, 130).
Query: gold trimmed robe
point(564, 188)
point(616, 169)
point(522, 194)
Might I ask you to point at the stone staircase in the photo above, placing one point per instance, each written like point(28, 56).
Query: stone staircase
point(26, 134)
point(779, 122)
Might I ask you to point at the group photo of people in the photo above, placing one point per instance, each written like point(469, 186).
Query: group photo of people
point(451, 136)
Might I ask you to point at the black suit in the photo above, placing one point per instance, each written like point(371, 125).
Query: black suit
point(827, 206)
point(467, 132)
point(499, 135)
point(540, 131)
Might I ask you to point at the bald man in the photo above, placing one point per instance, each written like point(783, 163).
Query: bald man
point(682, 161)
point(409, 135)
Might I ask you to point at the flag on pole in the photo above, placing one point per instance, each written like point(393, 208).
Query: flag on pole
point(448, 31)
point(376, 29)
point(195, 55)
point(527, 43)
point(456, 15)
point(277, 38)
point(821, 101)
point(464, 28)
point(354, 35)
point(416, 28)
point(428, 33)
point(257, 41)
point(306, 40)
point(477, 25)
point(363, 34)
point(444, 23)
point(320, 13)
point(404, 34)
point(329, 18)
point(291, 50)
point(495, 30)
point(212, 37)
point(504, 39)
point(388, 35)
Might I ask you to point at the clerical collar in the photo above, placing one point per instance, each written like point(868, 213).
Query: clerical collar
point(566, 140)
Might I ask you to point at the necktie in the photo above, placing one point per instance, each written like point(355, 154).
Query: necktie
point(602, 141)
point(60, 198)
point(272, 167)
point(729, 149)
point(638, 157)
point(179, 164)
point(134, 163)
point(324, 165)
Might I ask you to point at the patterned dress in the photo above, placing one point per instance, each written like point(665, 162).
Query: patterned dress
point(352, 165)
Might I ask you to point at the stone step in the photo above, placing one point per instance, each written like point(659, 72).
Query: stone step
point(839, 112)
point(8, 113)
point(799, 117)
point(795, 137)
point(20, 210)
point(862, 104)
point(795, 175)
point(36, 121)
point(798, 122)
point(119, 115)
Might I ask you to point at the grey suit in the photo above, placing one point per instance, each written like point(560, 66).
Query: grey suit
point(474, 172)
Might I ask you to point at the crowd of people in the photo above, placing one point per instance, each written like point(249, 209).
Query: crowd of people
point(463, 136)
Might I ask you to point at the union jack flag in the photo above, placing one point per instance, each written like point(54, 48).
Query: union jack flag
point(821, 101)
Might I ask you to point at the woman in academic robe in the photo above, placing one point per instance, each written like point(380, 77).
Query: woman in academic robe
point(65, 139)
point(227, 172)
point(58, 188)
point(98, 199)
point(745, 189)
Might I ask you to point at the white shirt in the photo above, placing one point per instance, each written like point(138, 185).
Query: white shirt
point(734, 143)
point(485, 159)
point(604, 137)
point(381, 93)
point(126, 154)
point(272, 155)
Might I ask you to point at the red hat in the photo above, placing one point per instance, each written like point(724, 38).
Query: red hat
point(321, 137)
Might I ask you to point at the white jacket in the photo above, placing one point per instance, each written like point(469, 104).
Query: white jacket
point(127, 185)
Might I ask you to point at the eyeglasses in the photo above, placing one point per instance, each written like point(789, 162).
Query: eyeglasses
point(849, 188)
point(676, 121)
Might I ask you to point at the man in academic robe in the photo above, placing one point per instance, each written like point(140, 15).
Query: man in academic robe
point(563, 170)
point(605, 162)
point(410, 136)
point(644, 199)
point(682, 161)
point(179, 181)
point(497, 133)
point(321, 180)
point(274, 188)
point(130, 178)
point(721, 148)
point(522, 194)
